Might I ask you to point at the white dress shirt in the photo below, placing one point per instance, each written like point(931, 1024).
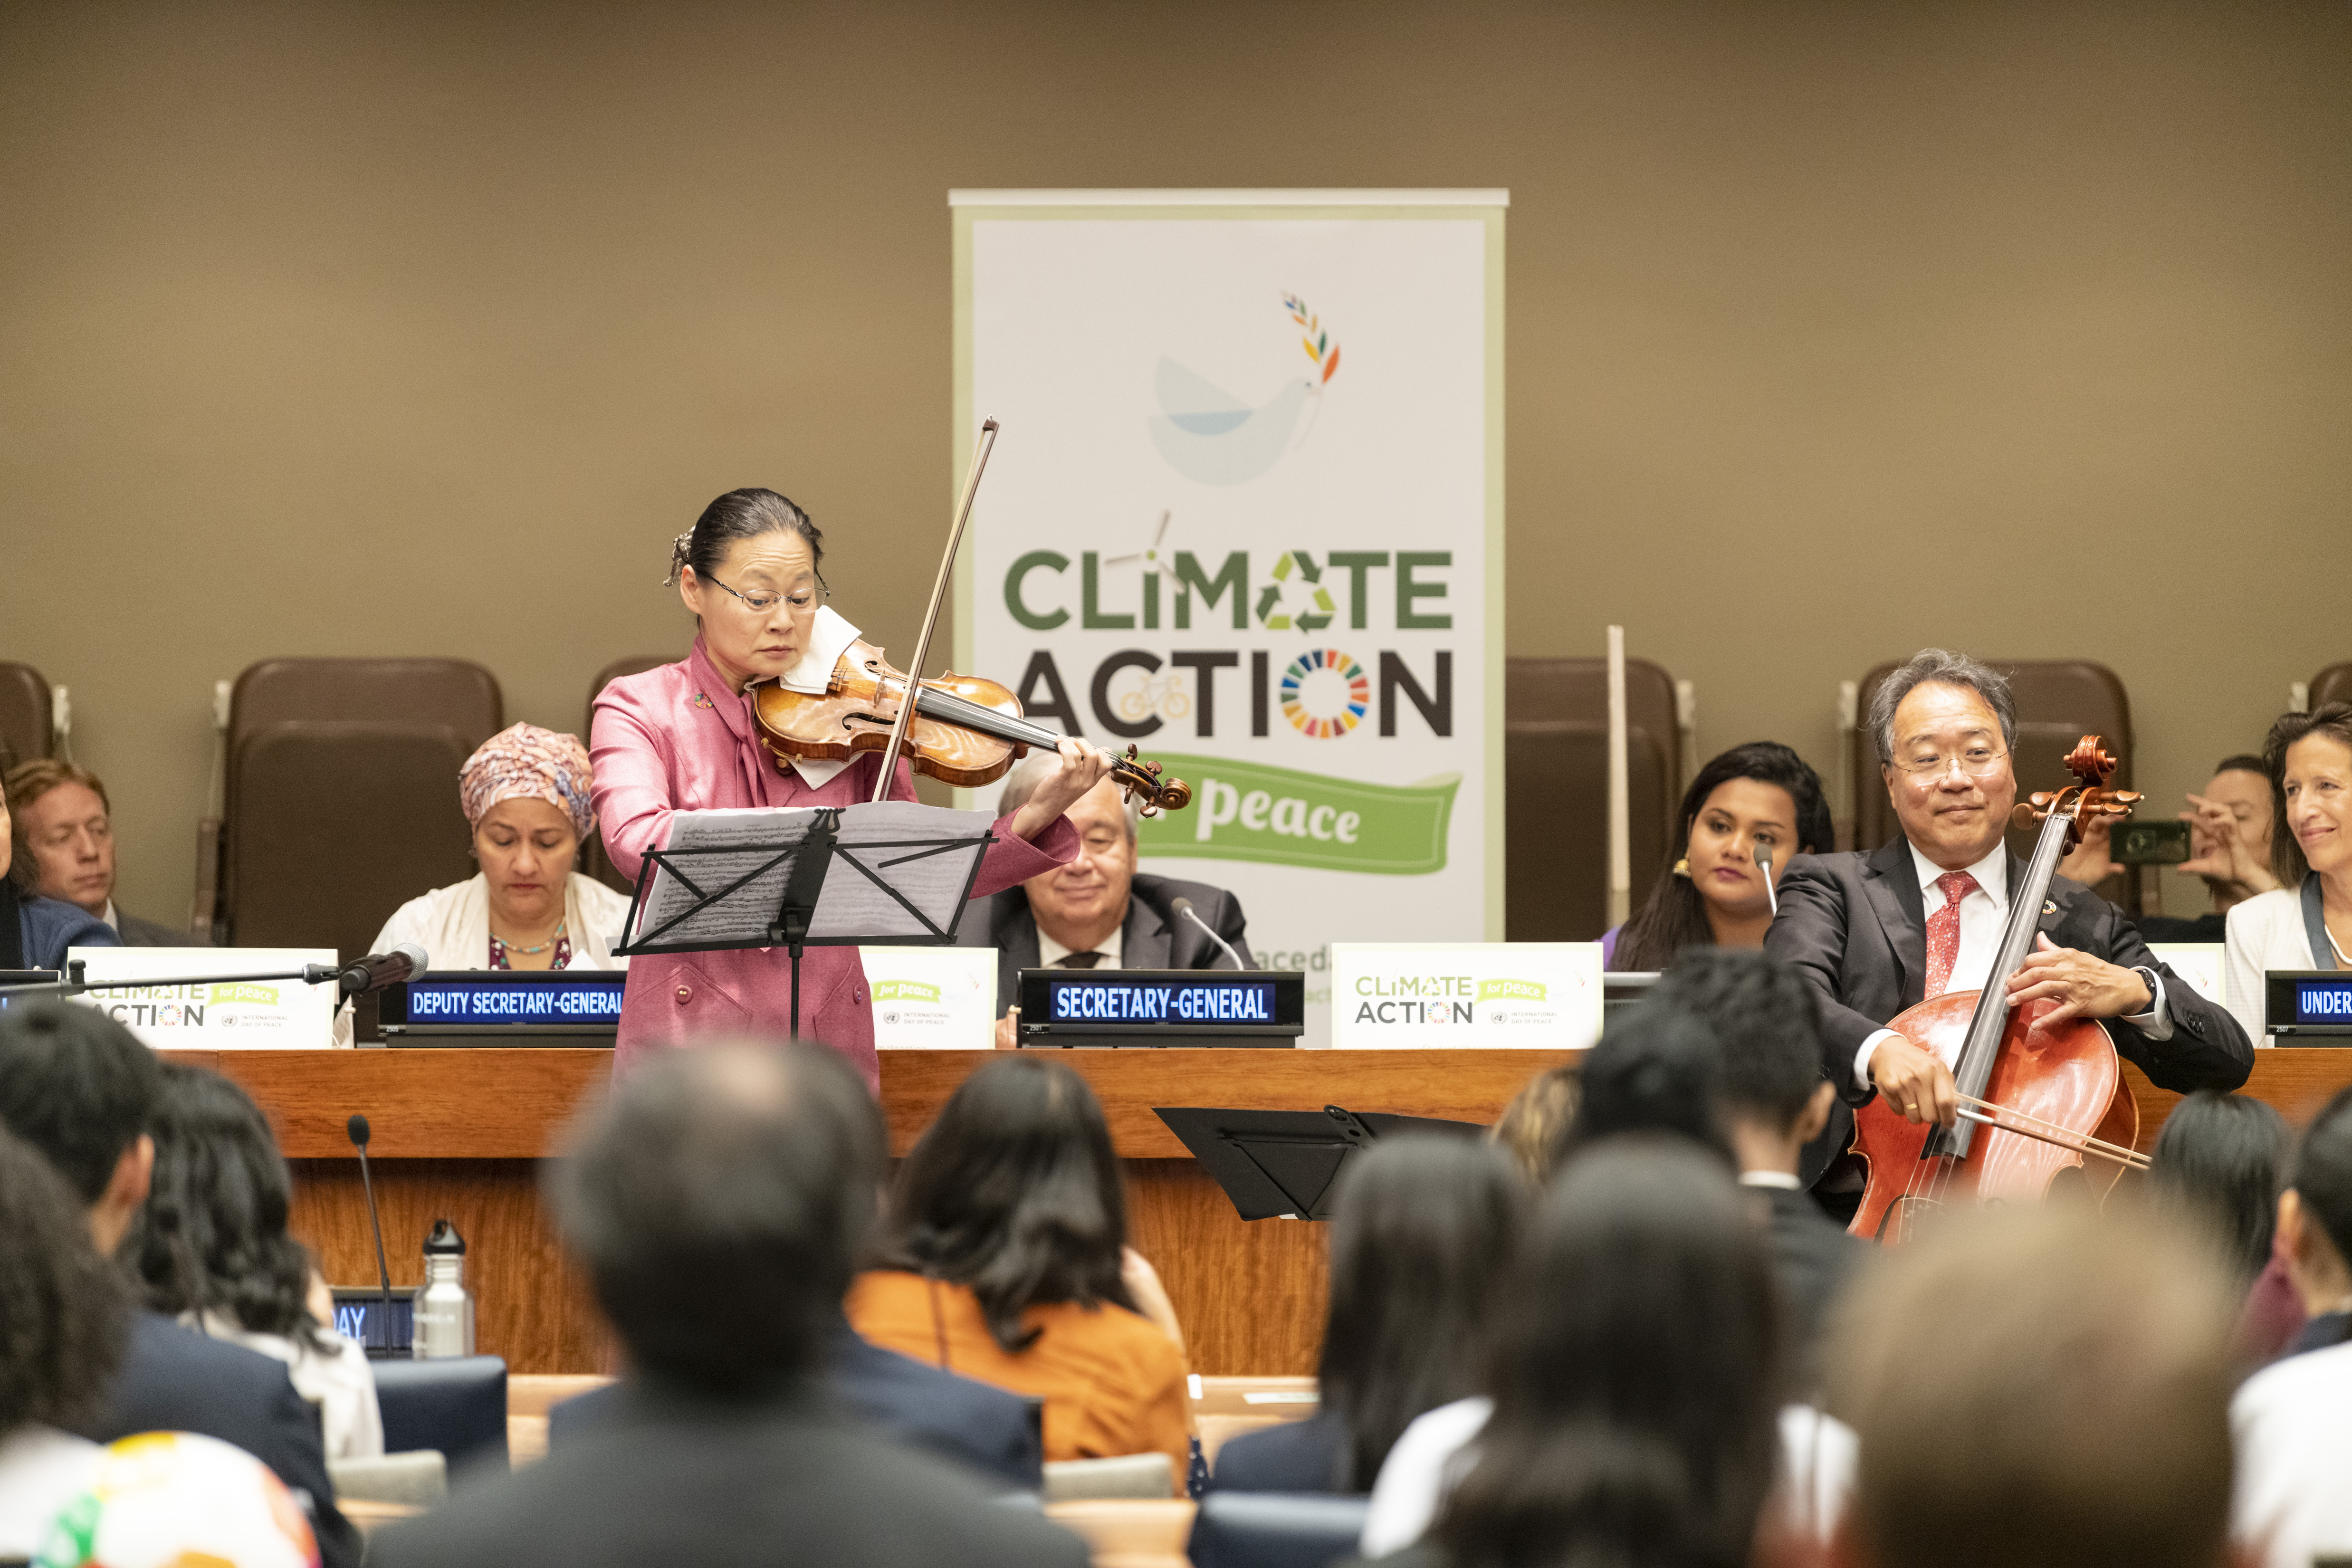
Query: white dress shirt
point(2293, 1425)
point(1051, 952)
point(1983, 913)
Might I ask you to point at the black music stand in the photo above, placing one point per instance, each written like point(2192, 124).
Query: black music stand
point(1287, 1162)
point(755, 883)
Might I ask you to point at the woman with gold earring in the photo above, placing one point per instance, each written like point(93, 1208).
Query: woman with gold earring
point(1760, 796)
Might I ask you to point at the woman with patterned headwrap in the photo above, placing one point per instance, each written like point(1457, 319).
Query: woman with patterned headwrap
point(526, 796)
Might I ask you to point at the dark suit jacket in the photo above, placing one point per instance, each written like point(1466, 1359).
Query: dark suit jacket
point(1812, 1256)
point(1153, 937)
point(173, 1379)
point(1856, 926)
point(680, 1477)
point(899, 1399)
point(137, 932)
point(1308, 1456)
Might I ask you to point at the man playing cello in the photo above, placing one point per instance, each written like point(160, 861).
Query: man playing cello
point(1879, 932)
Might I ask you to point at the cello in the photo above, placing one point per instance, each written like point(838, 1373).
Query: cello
point(2035, 1099)
point(960, 730)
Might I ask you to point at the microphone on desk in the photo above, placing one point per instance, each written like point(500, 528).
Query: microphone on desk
point(1764, 863)
point(1183, 908)
point(357, 1126)
point(373, 972)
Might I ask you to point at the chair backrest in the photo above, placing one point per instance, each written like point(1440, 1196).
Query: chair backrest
point(456, 1405)
point(1275, 1530)
point(2059, 702)
point(1556, 791)
point(2333, 684)
point(364, 753)
point(25, 717)
point(338, 824)
point(1121, 1476)
point(593, 861)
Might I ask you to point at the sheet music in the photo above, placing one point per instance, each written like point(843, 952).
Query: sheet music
point(727, 844)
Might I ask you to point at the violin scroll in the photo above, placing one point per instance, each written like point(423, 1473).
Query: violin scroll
point(1142, 779)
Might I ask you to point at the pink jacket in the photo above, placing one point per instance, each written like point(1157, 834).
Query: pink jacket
point(675, 739)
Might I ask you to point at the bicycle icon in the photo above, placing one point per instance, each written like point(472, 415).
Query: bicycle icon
point(1161, 694)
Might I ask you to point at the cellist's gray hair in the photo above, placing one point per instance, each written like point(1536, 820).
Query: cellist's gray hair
point(1939, 666)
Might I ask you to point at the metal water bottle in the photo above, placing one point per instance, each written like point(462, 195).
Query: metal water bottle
point(445, 1311)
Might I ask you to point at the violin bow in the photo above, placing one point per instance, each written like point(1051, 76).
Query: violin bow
point(931, 619)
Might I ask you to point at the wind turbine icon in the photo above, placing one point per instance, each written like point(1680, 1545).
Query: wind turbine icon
point(1150, 557)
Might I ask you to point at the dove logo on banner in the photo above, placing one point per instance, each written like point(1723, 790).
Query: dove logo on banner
point(1209, 435)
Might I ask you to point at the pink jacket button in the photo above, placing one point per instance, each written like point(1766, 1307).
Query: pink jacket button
point(684, 995)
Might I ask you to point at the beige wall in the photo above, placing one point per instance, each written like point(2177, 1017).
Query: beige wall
point(1832, 329)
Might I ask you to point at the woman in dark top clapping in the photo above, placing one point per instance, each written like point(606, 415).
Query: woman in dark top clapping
point(1424, 1229)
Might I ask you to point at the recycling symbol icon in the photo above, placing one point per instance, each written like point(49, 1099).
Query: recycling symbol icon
point(1297, 597)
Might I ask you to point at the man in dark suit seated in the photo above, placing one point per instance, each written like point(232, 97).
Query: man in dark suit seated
point(1768, 1036)
point(719, 1199)
point(74, 1085)
point(65, 841)
point(1097, 912)
point(984, 1427)
point(1923, 914)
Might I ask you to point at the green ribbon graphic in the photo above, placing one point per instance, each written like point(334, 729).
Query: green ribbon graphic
point(1281, 817)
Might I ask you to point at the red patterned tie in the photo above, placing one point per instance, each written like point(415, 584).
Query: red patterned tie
point(1944, 930)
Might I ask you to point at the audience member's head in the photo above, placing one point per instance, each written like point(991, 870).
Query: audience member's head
point(2229, 830)
point(1761, 795)
point(1532, 1125)
point(62, 832)
point(78, 1087)
point(2314, 1214)
point(1015, 1192)
point(212, 1238)
point(525, 794)
point(1087, 895)
point(62, 1307)
point(2040, 1386)
point(1766, 1025)
point(1423, 1231)
point(2309, 759)
point(1636, 1376)
point(2219, 1163)
point(719, 1200)
point(1656, 1069)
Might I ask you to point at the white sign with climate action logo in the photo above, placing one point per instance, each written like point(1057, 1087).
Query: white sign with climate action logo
point(1541, 995)
point(932, 998)
point(1244, 513)
point(285, 1014)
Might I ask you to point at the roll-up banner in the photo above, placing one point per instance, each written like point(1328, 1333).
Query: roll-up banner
point(1245, 513)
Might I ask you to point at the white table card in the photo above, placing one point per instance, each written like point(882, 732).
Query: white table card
point(219, 1015)
point(1540, 995)
point(932, 998)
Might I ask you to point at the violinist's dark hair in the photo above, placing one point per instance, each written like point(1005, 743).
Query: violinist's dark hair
point(2323, 1170)
point(742, 514)
point(1767, 1023)
point(1657, 1070)
point(1939, 667)
point(1423, 1233)
point(2220, 1162)
point(212, 1236)
point(1674, 917)
point(1015, 1192)
point(63, 1310)
point(1635, 1376)
point(2332, 720)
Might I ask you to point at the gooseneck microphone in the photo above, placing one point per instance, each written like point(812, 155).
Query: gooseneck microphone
point(1183, 908)
point(357, 1128)
point(1764, 863)
point(374, 971)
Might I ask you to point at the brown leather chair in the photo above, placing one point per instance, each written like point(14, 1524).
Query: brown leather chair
point(1556, 791)
point(26, 731)
point(593, 861)
point(2333, 684)
point(2059, 702)
point(341, 797)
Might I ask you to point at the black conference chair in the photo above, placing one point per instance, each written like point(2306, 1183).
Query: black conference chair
point(456, 1405)
point(1275, 1530)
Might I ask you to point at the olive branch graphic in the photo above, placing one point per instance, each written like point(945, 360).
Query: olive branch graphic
point(1316, 342)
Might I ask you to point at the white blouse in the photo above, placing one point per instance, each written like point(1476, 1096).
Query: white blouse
point(2265, 932)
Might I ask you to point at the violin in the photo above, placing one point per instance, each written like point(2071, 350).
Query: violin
point(959, 729)
point(2035, 1099)
point(966, 731)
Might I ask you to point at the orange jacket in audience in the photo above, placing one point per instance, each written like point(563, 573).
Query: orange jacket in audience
point(1112, 1382)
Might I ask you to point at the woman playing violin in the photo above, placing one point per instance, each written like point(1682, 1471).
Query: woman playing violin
point(683, 738)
